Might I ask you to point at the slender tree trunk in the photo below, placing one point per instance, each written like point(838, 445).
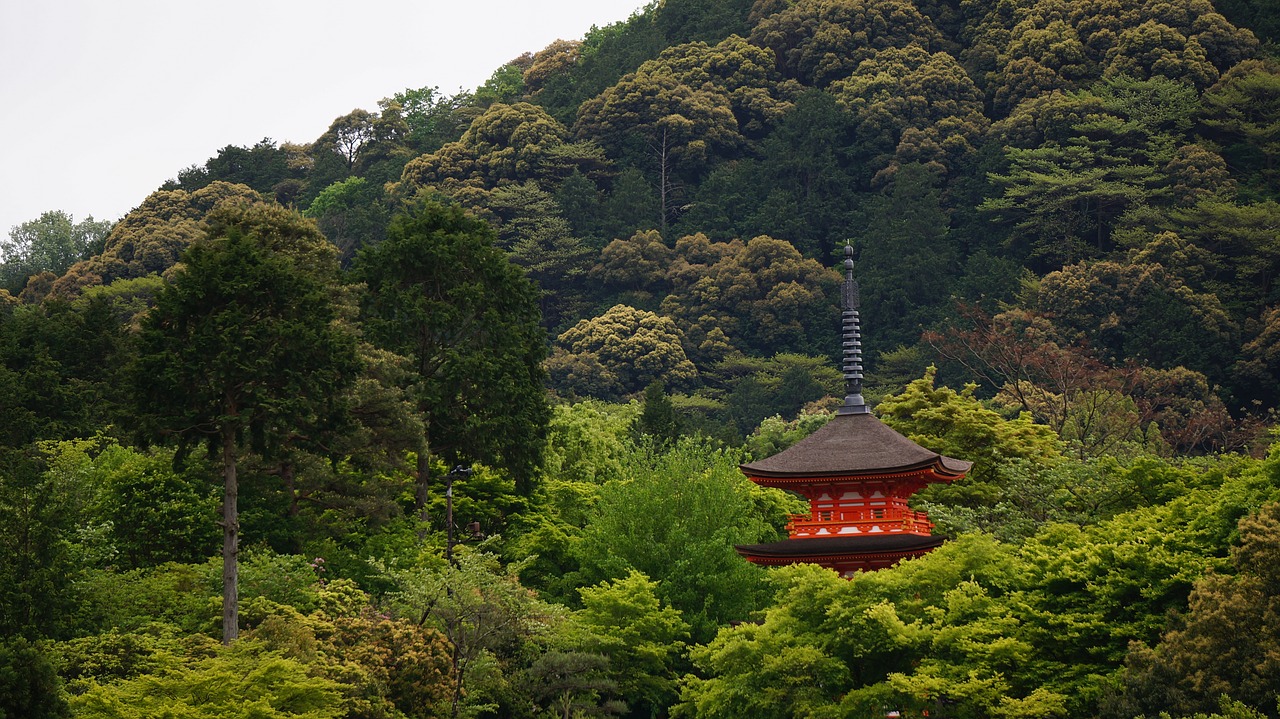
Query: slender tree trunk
point(458, 670)
point(287, 474)
point(662, 183)
point(230, 539)
point(420, 495)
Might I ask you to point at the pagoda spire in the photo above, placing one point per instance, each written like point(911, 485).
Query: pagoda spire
point(852, 334)
point(859, 476)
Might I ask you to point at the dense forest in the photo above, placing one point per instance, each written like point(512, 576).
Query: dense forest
point(441, 414)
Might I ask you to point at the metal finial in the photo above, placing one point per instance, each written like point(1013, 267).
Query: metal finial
point(852, 335)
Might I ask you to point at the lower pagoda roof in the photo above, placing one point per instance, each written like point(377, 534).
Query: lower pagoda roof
point(812, 548)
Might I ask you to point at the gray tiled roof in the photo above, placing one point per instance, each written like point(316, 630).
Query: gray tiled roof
point(853, 444)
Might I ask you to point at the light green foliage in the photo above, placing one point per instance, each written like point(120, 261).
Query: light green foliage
point(619, 353)
point(956, 424)
point(350, 213)
point(432, 119)
point(978, 628)
point(488, 618)
point(830, 646)
point(148, 512)
point(50, 243)
point(776, 434)
point(128, 299)
point(112, 656)
point(182, 595)
point(675, 517)
point(585, 440)
point(1226, 648)
point(643, 639)
point(506, 84)
point(386, 666)
point(242, 682)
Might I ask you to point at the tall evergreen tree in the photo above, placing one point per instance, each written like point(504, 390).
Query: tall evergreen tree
point(441, 293)
point(242, 348)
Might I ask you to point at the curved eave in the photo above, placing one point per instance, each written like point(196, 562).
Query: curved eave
point(855, 445)
point(941, 469)
point(832, 549)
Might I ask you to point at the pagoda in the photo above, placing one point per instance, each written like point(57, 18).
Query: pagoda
point(858, 475)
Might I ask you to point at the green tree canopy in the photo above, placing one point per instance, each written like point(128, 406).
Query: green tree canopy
point(619, 353)
point(820, 41)
point(913, 106)
point(151, 238)
point(440, 293)
point(50, 243)
point(242, 348)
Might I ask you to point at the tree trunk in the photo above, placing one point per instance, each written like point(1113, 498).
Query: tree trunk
point(420, 495)
point(230, 539)
point(662, 184)
point(287, 474)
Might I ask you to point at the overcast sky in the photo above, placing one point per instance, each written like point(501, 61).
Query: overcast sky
point(101, 101)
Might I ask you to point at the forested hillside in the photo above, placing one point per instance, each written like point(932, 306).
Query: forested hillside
point(441, 414)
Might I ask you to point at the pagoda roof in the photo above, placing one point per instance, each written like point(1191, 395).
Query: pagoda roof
point(808, 548)
point(854, 444)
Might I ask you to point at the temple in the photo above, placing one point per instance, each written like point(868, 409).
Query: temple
point(858, 475)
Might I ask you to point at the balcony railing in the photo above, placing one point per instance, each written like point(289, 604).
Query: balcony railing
point(874, 520)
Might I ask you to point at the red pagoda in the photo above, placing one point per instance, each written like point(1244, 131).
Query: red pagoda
point(858, 475)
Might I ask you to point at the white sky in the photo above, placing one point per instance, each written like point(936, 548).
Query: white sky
point(101, 101)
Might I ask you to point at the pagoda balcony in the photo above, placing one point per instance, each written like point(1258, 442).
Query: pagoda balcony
point(856, 522)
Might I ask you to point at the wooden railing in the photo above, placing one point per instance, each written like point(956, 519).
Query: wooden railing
point(865, 520)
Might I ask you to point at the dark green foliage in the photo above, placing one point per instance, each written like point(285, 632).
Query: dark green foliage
point(29, 686)
point(268, 168)
point(658, 421)
point(264, 167)
point(242, 344)
point(351, 213)
point(906, 261)
point(440, 293)
point(36, 577)
point(60, 365)
point(242, 350)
